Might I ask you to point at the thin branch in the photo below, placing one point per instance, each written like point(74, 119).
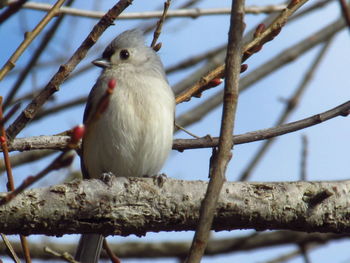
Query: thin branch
point(65, 256)
point(219, 59)
point(32, 109)
point(26, 157)
point(58, 108)
point(261, 37)
point(11, 10)
point(10, 181)
point(9, 249)
point(110, 253)
point(345, 11)
point(191, 13)
point(223, 155)
point(283, 58)
point(29, 37)
point(304, 252)
point(35, 57)
point(188, 62)
point(290, 105)
point(205, 142)
point(159, 26)
point(61, 142)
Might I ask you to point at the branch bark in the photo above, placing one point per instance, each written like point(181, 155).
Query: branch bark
point(140, 205)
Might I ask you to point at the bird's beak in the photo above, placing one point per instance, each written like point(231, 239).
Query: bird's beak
point(102, 63)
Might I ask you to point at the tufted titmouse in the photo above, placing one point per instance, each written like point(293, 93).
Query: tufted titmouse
point(133, 136)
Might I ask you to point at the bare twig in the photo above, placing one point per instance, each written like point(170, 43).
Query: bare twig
point(219, 59)
point(283, 58)
point(60, 107)
point(290, 106)
point(194, 60)
point(159, 26)
point(341, 110)
point(30, 36)
point(31, 110)
point(12, 10)
point(260, 38)
point(35, 57)
point(192, 13)
point(11, 252)
point(110, 253)
point(221, 158)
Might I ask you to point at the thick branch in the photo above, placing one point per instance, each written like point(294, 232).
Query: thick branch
point(138, 205)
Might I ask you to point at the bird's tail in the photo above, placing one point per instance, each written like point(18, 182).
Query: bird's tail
point(89, 248)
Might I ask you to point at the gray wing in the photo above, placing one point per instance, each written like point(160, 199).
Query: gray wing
point(88, 109)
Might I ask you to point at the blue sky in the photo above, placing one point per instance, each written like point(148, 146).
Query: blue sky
point(258, 107)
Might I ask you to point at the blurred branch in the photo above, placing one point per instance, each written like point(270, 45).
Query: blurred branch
point(29, 37)
point(58, 108)
point(11, 10)
point(194, 60)
point(179, 249)
point(222, 155)
point(65, 208)
point(32, 109)
point(191, 13)
point(287, 256)
point(290, 105)
point(283, 58)
point(61, 142)
point(345, 11)
point(26, 157)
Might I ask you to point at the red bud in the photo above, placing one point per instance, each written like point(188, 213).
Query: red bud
point(244, 67)
point(215, 82)
point(77, 133)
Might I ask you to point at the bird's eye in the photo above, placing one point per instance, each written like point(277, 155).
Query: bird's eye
point(124, 54)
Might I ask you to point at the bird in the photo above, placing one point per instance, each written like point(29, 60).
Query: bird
point(133, 136)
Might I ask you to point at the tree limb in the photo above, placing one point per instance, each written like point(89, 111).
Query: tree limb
point(140, 205)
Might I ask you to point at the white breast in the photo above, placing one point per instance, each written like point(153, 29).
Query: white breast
point(133, 137)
